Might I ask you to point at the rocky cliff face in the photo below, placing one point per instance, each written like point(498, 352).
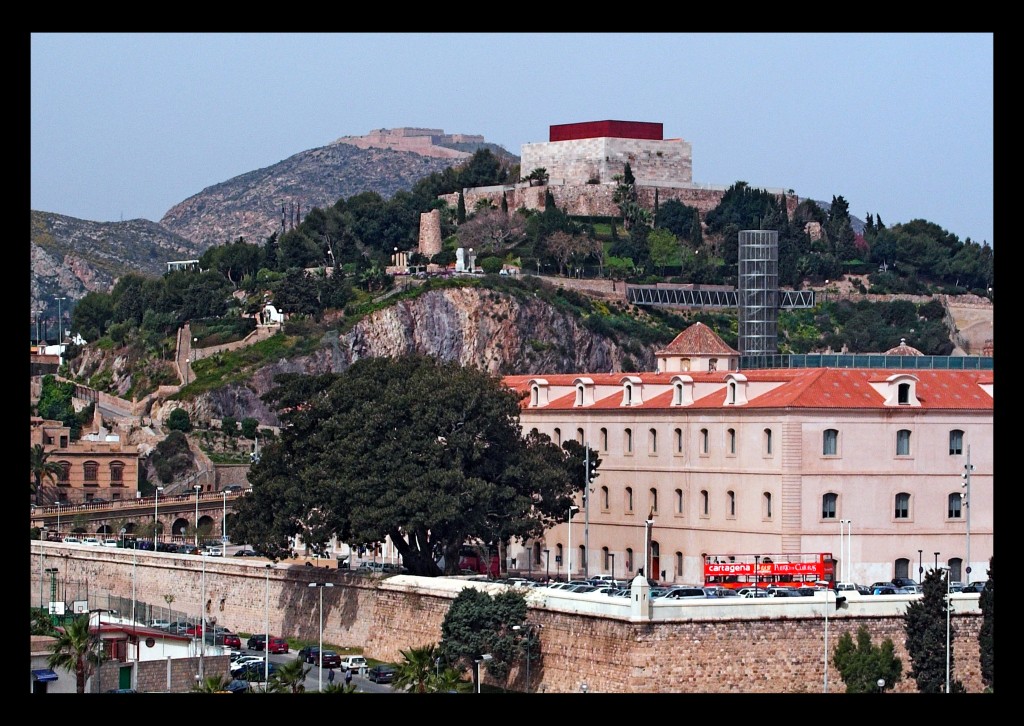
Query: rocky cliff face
point(498, 333)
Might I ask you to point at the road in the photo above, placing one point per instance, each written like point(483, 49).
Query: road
point(362, 684)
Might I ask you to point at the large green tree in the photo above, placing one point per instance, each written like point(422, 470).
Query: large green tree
point(987, 634)
point(425, 453)
point(863, 664)
point(926, 623)
point(478, 623)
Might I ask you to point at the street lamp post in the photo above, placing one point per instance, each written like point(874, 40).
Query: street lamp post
point(529, 636)
point(224, 522)
point(547, 564)
point(936, 560)
point(198, 488)
point(881, 684)
point(966, 497)
point(320, 652)
point(568, 568)
point(485, 657)
point(266, 629)
point(156, 519)
point(649, 523)
point(845, 559)
point(612, 556)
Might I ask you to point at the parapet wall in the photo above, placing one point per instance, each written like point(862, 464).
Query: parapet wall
point(728, 653)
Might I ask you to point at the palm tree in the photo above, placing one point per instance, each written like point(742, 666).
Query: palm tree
point(43, 468)
point(340, 687)
point(213, 684)
point(417, 669)
point(292, 675)
point(75, 649)
point(450, 679)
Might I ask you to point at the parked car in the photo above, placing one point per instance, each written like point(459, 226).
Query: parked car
point(783, 592)
point(976, 586)
point(328, 659)
point(214, 551)
point(308, 653)
point(381, 673)
point(160, 624)
point(255, 642)
point(244, 661)
point(909, 590)
point(278, 645)
point(246, 553)
point(232, 489)
point(352, 662)
point(684, 593)
point(255, 672)
point(91, 541)
point(887, 583)
point(903, 582)
point(884, 590)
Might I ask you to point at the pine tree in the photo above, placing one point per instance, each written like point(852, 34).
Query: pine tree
point(925, 624)
point(504, 204)
point(460, 215)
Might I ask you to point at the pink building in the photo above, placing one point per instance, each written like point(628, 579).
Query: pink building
point(864, 464)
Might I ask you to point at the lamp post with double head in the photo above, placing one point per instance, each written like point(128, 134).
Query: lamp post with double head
point(966, 498)
point(320, 653)
point(529, 640)
point(568, 568)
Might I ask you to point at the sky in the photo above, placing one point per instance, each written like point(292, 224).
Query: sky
point(126, 125)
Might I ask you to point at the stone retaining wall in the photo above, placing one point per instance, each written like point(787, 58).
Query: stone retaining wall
point(736, 655)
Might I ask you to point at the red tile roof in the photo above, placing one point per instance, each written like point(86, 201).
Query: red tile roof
point(698, 339)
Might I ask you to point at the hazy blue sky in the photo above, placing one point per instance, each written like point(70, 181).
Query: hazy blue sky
point(900, 125)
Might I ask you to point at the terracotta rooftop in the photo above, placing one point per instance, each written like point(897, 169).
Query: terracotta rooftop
point(903, 349)
point(698, 339)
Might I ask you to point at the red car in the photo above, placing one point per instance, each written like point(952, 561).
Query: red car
point(278, 645)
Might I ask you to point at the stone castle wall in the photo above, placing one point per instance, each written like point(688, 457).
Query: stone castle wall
point(755, 655)
point(600, 159)
point(430, 232)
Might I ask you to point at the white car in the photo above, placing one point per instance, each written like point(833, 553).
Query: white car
point(71, 539)
point(353, 662)
point(160, 624)
point(91, 541)
point(243, 661)
point(215, 551)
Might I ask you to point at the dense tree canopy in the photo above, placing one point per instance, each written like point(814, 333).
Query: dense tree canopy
point(429, 454)
point(925, 624)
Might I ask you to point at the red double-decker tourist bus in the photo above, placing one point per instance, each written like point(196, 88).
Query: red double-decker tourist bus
point(769, 570)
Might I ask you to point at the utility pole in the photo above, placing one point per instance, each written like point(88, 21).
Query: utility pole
point(966, 497)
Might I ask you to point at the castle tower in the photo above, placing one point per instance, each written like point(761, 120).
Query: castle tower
point(430, 233)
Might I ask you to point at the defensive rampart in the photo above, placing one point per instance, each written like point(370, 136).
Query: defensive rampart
point(750, 647)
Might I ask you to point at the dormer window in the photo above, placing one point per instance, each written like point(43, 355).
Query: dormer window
point(900, 389)
point(584, 392)
point(735, 389)
point(682, 391)
point(632, 391)
point(538, 393)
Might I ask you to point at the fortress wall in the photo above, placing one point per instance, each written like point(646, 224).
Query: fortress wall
point(735, 655)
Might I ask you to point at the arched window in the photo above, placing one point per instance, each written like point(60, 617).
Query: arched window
point(902, 568)
point(604, 498)
point(117, 473)
point(579, 395)
point(678, 436)
point(604, 558)
point(704, 503)
point(828, 505)
point(627, 394)
point(628, 441)
point(677, 394)
point(830, 442)
point(604, 440)
point(92, 470)
point(903, 395)
point(712, 365)
point(534, 395)
point(732, 393)
point(903, 442)
point(955, 503)
point(64, 476)
point(679, 501)
point(557, 436)
point(679, 564)
point(767, 505)
point(629, 499)
point(704, 441)
point(579, 436)
point(730, 498)
point(956, 442)
point(902, 506)
point(767, 442)
point(654, 500)
point(629, 559)
point(731, 436)
point(652, 441)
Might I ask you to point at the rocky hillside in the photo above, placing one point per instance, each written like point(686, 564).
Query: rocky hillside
point(70, 257)
point(499, 333)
